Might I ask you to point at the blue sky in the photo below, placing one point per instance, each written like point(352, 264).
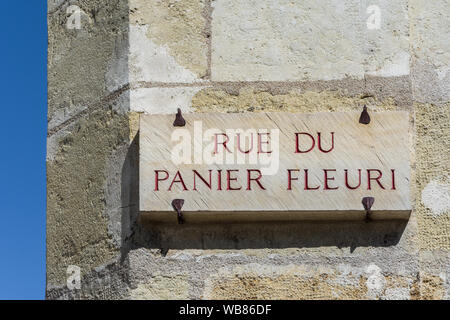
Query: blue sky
point(23, 138)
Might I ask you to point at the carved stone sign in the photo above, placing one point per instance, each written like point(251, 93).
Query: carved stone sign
point(274, 166)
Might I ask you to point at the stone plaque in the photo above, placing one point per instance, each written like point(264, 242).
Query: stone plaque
point(275, 166)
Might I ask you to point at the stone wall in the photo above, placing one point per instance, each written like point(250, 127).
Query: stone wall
point(154, 56)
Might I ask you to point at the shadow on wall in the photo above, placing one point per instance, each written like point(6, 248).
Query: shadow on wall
point(137, 233)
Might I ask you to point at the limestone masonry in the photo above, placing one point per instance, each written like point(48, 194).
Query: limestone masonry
point(118, 71)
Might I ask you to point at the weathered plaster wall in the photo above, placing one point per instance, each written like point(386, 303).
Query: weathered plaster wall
point(154, 56)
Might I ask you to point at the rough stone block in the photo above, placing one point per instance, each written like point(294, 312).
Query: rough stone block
point(160, 287)
point(432, 179)
point(319, 282)
point(162, 100)
point(430, 46)
point(168, 41)
point(275, 40)
point(86, 64)
point(82, 212)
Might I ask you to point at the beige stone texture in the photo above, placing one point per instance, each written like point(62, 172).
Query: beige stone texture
point(430, 287)
point(291, 283)
point(77, 218)
point(430, 26)
point(79, 61)
point(251, 99)
point(162, 288)
point(168, 40)
point(432, 165)
point(301, 282)
point(162, 100)
point(287, 40)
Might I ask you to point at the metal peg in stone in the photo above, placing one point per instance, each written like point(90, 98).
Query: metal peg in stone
point(365, 117)
point(367, 202)
point(179, 120)
point(177, 204)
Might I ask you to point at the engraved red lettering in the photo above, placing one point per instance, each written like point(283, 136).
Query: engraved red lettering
point(327, 178)
point(290, 179)
point(250, 179)
point(319, 142)
point(261, 142)
point(297, 140)
point(219, 180)
point(377, 179)
point(157, 179)
point(229, 179)
point(239, 143)
point(393, 179)
point(224, 143)
point(178, 179)
point(208, 184)
point(346, 180)
point(307, 187)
